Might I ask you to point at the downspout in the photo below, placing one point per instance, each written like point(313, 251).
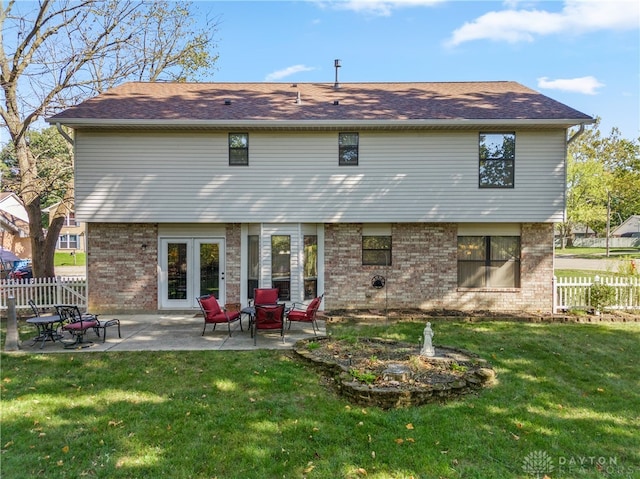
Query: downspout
point(69, 139)
point(576, 134)
point(554, 286)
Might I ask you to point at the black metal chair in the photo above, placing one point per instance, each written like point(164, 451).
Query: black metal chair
point(77, 324)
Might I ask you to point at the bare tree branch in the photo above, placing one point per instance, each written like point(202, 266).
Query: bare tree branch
point(56, 53)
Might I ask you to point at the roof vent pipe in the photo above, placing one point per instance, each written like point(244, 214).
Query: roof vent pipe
point(298, 99)
point(336, 64)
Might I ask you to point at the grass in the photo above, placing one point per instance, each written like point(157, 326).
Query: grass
point(567, 391)
point(68, 259)
point(583, 273)
point(618, 253)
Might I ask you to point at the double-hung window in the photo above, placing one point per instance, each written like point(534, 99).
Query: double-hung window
point(376, 250)
point(497, 158)
point(489, 261)
point(238, 149)
point(68, 241)
point(348, 149)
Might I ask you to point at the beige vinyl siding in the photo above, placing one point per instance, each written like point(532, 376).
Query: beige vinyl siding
point(419, 176)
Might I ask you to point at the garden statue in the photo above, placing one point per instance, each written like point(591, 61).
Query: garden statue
point(427, 346)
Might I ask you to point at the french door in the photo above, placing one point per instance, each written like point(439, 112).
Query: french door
point(190, 267)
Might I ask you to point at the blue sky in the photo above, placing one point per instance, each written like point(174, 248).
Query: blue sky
point(585, 54)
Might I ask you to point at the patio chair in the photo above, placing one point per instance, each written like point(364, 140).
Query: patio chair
point(77, 324)
point(268, 317)
point(306, 315)
point(214, 314)
point(265, 296)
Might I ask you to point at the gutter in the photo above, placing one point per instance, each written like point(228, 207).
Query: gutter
point(461, 123)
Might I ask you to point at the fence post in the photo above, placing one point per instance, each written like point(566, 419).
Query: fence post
point(12, 342)
point(554, 295)
point(58, 283)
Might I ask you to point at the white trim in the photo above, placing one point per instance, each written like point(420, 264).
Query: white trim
point(376, 229)
point(314, 124)
point(488, 229)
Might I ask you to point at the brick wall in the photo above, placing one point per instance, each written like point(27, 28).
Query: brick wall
point(232, 262)
point(423, 267)
point(423, 273)
point(122, 261)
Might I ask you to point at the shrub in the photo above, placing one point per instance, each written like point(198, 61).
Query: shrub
point(601, 295)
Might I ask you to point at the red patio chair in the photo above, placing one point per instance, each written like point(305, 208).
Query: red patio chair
point(214, 314)
point(268, 317)
point(77, 324)
point(265, 296)
point(308, 315)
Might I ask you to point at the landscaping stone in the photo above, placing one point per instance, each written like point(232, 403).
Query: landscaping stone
point(403, 378)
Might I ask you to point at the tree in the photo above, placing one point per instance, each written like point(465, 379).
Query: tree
point(600, 169)
point(54, 54)
point(55, 166)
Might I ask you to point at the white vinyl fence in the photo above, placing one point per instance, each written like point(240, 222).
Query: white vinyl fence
point(45, 292)
point(575, 293)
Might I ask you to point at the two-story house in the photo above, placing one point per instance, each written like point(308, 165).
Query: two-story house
point(14, 226)
point(447, 191)
point(72, 233)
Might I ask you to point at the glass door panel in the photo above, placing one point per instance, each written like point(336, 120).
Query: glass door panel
point(177, 277)
point(210, 269)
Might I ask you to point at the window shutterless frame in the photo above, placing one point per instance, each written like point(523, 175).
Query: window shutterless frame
point(489, 262)
point(496, 160)
point(376, 250)
point(348, 149)
point(238, 149)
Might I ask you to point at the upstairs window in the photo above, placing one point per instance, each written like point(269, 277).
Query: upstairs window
point(348, 149)
point(70, 219)
point(238, 149)
point(497, 158)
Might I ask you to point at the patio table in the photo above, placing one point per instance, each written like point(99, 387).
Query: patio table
point(46, 329)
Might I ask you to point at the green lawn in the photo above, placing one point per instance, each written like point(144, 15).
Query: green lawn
point(619, 253)
point(567, 393)
point(68, 259)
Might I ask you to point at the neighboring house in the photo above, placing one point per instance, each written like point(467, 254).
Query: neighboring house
point(449, 191)
point(630, 227)
point(14, 226)
point(72, 234)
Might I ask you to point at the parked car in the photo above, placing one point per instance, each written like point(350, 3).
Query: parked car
point(631, 234)
point(21, 271)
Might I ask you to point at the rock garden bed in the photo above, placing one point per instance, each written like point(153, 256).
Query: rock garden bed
point(388, 374)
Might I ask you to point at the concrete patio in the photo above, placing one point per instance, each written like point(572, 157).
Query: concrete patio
point(178, 332)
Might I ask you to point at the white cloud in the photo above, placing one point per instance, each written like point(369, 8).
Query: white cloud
point(586, 85)
point(381, 8)
point(576, 17)
point(292, 70)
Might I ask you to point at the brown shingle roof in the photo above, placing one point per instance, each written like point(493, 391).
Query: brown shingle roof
point(356, 102)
